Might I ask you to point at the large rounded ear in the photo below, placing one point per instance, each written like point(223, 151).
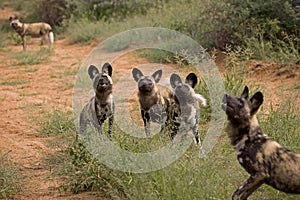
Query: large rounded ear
point(157, 75)
point(107, 69)
point(245, 93)
point(191, 79)
point(256, 100)
point(92, 71)
point(136, 74)
point(13, 18)
point(175, 80)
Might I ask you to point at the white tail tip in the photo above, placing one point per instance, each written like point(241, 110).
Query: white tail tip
point(51, 37)
point(201, 99)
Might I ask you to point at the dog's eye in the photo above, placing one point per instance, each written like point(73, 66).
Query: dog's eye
point(240, 103)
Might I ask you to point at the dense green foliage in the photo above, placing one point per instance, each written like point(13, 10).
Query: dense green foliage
point(111, 10)
point(268, 29)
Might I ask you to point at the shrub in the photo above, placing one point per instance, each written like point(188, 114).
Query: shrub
point(112, 10)
point(219, 23)
point(52, 11)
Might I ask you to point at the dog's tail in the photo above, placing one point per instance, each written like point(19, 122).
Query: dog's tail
point(201, 99)
point(51, 36)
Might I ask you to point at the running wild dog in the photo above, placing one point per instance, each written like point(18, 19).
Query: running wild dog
point(39, 29)
point(101, 106)
point(153, 106)
point(183, 111)
point(264, 159)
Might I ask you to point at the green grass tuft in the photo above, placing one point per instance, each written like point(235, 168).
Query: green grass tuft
point(32, 58)
point(15, 83)
point(9, 177)
point(283, 124)
point(57, 123)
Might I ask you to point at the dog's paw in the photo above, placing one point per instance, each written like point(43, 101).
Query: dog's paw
point(197, 141)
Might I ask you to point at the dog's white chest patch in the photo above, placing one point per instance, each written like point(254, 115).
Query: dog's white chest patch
point(240, 159)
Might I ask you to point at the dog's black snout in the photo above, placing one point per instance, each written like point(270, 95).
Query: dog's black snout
point(145, 83)
point(225, 98)
point(102, 81)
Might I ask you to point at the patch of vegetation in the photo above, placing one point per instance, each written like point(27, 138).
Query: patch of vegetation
point(296, 86)
point(112, 10)
point(255, 26)
point(30, 69)
point(283, 124)
point(158, 56)
point(83, 31)
point(57, 123)
point(14, 37)
point(32, 58)
point(284, 50)
point(9, 178)
point(14, 83)
point(3, 37)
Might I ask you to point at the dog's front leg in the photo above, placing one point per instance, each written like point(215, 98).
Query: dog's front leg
point(98, 127)
point(110, 125)
point(196, 134)
point(249, 186)
point(82, 123)
point(24, 42)
point(146, 120)
point(174, 128)
point(43, 39)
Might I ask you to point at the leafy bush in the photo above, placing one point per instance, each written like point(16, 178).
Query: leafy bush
point(52, 11)
point(220, 23)
point(83, 31)
point(112, 10)
point(244, 16)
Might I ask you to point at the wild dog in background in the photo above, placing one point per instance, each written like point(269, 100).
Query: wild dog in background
point(183, 109)
point(153, 106)
point(101, 106)
point(264, 159)
point(39, 29)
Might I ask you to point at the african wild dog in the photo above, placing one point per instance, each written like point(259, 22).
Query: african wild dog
point(264, 159)
point(183, 111)
point(153, 106)
point(39, 29)
point(101, 106)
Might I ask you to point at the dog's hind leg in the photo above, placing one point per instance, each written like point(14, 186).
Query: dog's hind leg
point(250, 185)
point(45, 39)
point(48, 40)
